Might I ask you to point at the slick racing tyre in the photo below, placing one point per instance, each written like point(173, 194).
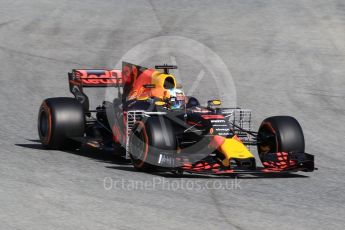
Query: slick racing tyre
point(280, 134)
point(59, 120)
point(148, 139)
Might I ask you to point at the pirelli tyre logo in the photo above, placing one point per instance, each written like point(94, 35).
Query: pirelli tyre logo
point(165, 159)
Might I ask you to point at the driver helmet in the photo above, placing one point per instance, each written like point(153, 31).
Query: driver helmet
point(177, 98)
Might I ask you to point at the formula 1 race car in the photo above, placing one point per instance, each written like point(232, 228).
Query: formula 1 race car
point(155, 125)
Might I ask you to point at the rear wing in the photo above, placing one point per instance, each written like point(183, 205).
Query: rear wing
point(80, 78)
point(95, 77)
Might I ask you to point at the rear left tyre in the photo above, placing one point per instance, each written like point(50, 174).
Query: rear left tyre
point(59, 121)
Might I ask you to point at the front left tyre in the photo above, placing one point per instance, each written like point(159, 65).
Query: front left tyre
point(61, 121)
point(148, 140)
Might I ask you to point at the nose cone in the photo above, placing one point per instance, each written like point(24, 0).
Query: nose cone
point(234, 148)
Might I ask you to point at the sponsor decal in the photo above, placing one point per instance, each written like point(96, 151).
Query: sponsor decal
point(78, 95)
point(217, 121)
point(99, 77)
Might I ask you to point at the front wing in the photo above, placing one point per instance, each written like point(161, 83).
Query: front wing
point(273, 163)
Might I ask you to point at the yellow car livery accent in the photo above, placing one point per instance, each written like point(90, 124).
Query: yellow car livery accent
point(233, 148)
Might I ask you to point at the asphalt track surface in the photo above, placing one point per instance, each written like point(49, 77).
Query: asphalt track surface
point(286, 57)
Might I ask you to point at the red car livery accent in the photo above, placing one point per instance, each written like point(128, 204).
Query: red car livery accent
point(90, 78)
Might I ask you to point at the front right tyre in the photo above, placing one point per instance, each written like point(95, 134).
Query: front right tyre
point(280, 134)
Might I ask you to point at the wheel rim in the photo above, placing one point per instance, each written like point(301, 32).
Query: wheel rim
point(43, 124)
point(138, 146)
point(270, 142)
